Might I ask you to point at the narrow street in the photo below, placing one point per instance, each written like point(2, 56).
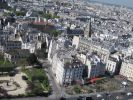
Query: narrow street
point(56, 90)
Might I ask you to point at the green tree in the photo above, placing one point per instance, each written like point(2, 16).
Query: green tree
point(32, 59)
point(43, 46)
point(47, 16)
point(55, 33)
point(6, 66)
point(6, 14)
point(1, 56)
point(20, 13)
point(77, 89)
point(22, 62)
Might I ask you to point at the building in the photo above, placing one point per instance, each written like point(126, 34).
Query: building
point(127, 68)
point(67, 70)
point(15, 55)
point(113, 64)
point(75, 32)
point(96, 67)
point(11, 45)
point(93, 45)
point(66, 67)
point(87, 31)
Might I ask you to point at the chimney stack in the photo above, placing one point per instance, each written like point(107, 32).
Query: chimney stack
point(39, 19)
point(8, 24)
point(15, 31)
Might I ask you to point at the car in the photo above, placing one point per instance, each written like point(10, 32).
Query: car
point(129, 94)
point(119, 97)
point(108, 94)
point(24, 77)
point(89, 98)
point(123, 93)
point(124, 83)
point(81, 98)
point(99, 95)
point(12, 73)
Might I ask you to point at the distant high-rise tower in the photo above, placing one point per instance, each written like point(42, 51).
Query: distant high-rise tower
point(87, 30)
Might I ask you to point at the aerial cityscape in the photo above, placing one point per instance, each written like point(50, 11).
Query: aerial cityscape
point(66, 50)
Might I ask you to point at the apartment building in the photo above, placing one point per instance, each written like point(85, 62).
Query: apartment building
point(127, 68)
point(95, 65)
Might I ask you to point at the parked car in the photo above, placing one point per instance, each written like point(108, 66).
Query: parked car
point(129, 94)
point(81, 98)
point(12, 73)
point(24, 77)
point(89, 98)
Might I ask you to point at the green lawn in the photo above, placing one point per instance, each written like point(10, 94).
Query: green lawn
point(36, 74)
point(5, 63)
point(38, 80)
point(6, 66)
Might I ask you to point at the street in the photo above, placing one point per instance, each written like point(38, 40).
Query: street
point(56, 90)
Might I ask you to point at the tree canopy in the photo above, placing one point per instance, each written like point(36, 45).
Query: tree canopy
point(32, 59)
point(6, 66)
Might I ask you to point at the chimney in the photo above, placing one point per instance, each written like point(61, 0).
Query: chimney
point(39, 19)
point(44, 20)
point(5, 27)
point(15, 31)
point(35, 19)
point(4, 19)
point(19, 25)
point(8, 24)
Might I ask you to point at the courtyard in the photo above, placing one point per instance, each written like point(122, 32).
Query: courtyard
point(13, 85)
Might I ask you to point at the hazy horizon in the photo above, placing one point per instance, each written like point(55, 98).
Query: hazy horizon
point(128, 3)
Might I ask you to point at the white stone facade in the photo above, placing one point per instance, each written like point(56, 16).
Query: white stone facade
point(127, 70)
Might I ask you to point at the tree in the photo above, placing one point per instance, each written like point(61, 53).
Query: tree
point(42, 53)
point(1, 56)
point(6, 66)
point(3, 91)
point(47, 16)
point(55, 33)
point(77, 89)
point(6, 69)
point(44, 45)
point(32, 59)
point(22, 62)
point(20, 13)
